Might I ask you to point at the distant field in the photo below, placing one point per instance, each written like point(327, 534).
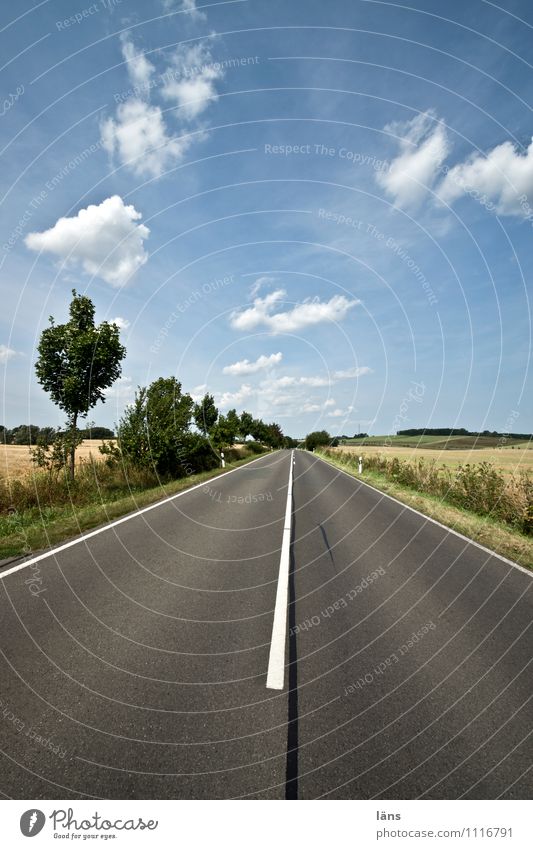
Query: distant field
point(509, 460)
point(442, 443)
point(15, 460)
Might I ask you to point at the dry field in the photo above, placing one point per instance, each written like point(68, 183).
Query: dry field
point(15, 460)
point(509, 460)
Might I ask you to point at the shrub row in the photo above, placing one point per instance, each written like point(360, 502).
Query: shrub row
point(478, 487)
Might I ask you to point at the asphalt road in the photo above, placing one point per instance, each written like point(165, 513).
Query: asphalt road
point(134, 663)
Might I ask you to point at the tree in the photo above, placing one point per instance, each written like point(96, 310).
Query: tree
point(154, 430)
point(246, 425)
point(224, 432)
point(233, 424)
point(77, 362)
point(316, 439)
point(205, 414)
point(274, 435)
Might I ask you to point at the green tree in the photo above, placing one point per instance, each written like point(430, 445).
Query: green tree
point(205, 414)
point(316, 439)
point(154, 430)
point(224, 432)
point(246, 425)
point(77, 362)
point(274, 435)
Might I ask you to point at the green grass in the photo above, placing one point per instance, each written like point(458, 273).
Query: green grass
point(34, 529)
point(495, 535)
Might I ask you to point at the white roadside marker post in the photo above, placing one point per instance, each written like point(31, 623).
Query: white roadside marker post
point(360, 465)
point(222, 459)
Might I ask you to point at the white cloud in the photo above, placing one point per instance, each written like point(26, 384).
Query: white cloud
point(104, 239)
point(190, 82)
point(235, 399)
point(122, 391)
point(122, 323)
point(306, 314)
point(329, 403)
point(198, 392)
point(336, 414)
point(6, 354)
point(423, 148)
point(311, 408)
point(246, 367)
point(345, 374)
point(188, 6)
point(140, 69)
point(259, 284)
point(139, 137)
point(504, 175)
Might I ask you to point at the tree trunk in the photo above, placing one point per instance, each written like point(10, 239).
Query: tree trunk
point(73, 425)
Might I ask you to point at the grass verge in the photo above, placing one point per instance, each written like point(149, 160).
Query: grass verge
point(484, 530)
point(36, 529)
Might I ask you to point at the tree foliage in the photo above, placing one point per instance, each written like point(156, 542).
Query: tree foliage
point(77, 362)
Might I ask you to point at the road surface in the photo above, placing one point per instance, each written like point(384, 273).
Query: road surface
point(134, 663)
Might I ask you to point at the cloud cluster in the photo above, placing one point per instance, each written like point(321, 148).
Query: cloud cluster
point(308, 313)
point(105, 240)
point(423, 148)
point(504, 175)
point(502, 179)
point(138, 134)
point(246, 367)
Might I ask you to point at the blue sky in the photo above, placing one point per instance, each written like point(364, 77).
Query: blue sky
point(321, 213)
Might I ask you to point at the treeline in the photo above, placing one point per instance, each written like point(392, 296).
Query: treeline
point(453, 431)
point(34, 435)
point(166, 431)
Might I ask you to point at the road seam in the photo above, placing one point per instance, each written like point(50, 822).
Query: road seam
point(276, 659)
point(121, 521)
point(428, 518)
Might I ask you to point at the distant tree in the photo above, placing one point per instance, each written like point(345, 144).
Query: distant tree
point(94, 432)
point(205, 414)
point(25, 435)
point(246, 425)
point(233, 423)
point(259, 430)
point(317, 439)
point(77, 362)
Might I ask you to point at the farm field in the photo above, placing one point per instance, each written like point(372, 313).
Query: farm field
point(444, 443)
point(509, 460)
point(15, 461)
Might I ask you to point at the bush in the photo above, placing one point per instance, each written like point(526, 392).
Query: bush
point(477, 487)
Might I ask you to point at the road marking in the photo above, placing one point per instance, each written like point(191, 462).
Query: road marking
point(429, 519)
point(121, 521)
point(276, 660)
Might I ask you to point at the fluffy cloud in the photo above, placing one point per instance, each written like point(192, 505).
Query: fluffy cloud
point(504, 176)
point(122, 323)
point(336, 414)
point(235, 399)
point(138, 134)
point(302, 315)
point(246, 367)
point(190, 82)
point(139, 137)
point(423, 148)
point(6, 354)
point(140, 69)
point(104, 239)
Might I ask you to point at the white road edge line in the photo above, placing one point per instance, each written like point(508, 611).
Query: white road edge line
point(77, 540)
point(276, 660)
point(429, 519)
